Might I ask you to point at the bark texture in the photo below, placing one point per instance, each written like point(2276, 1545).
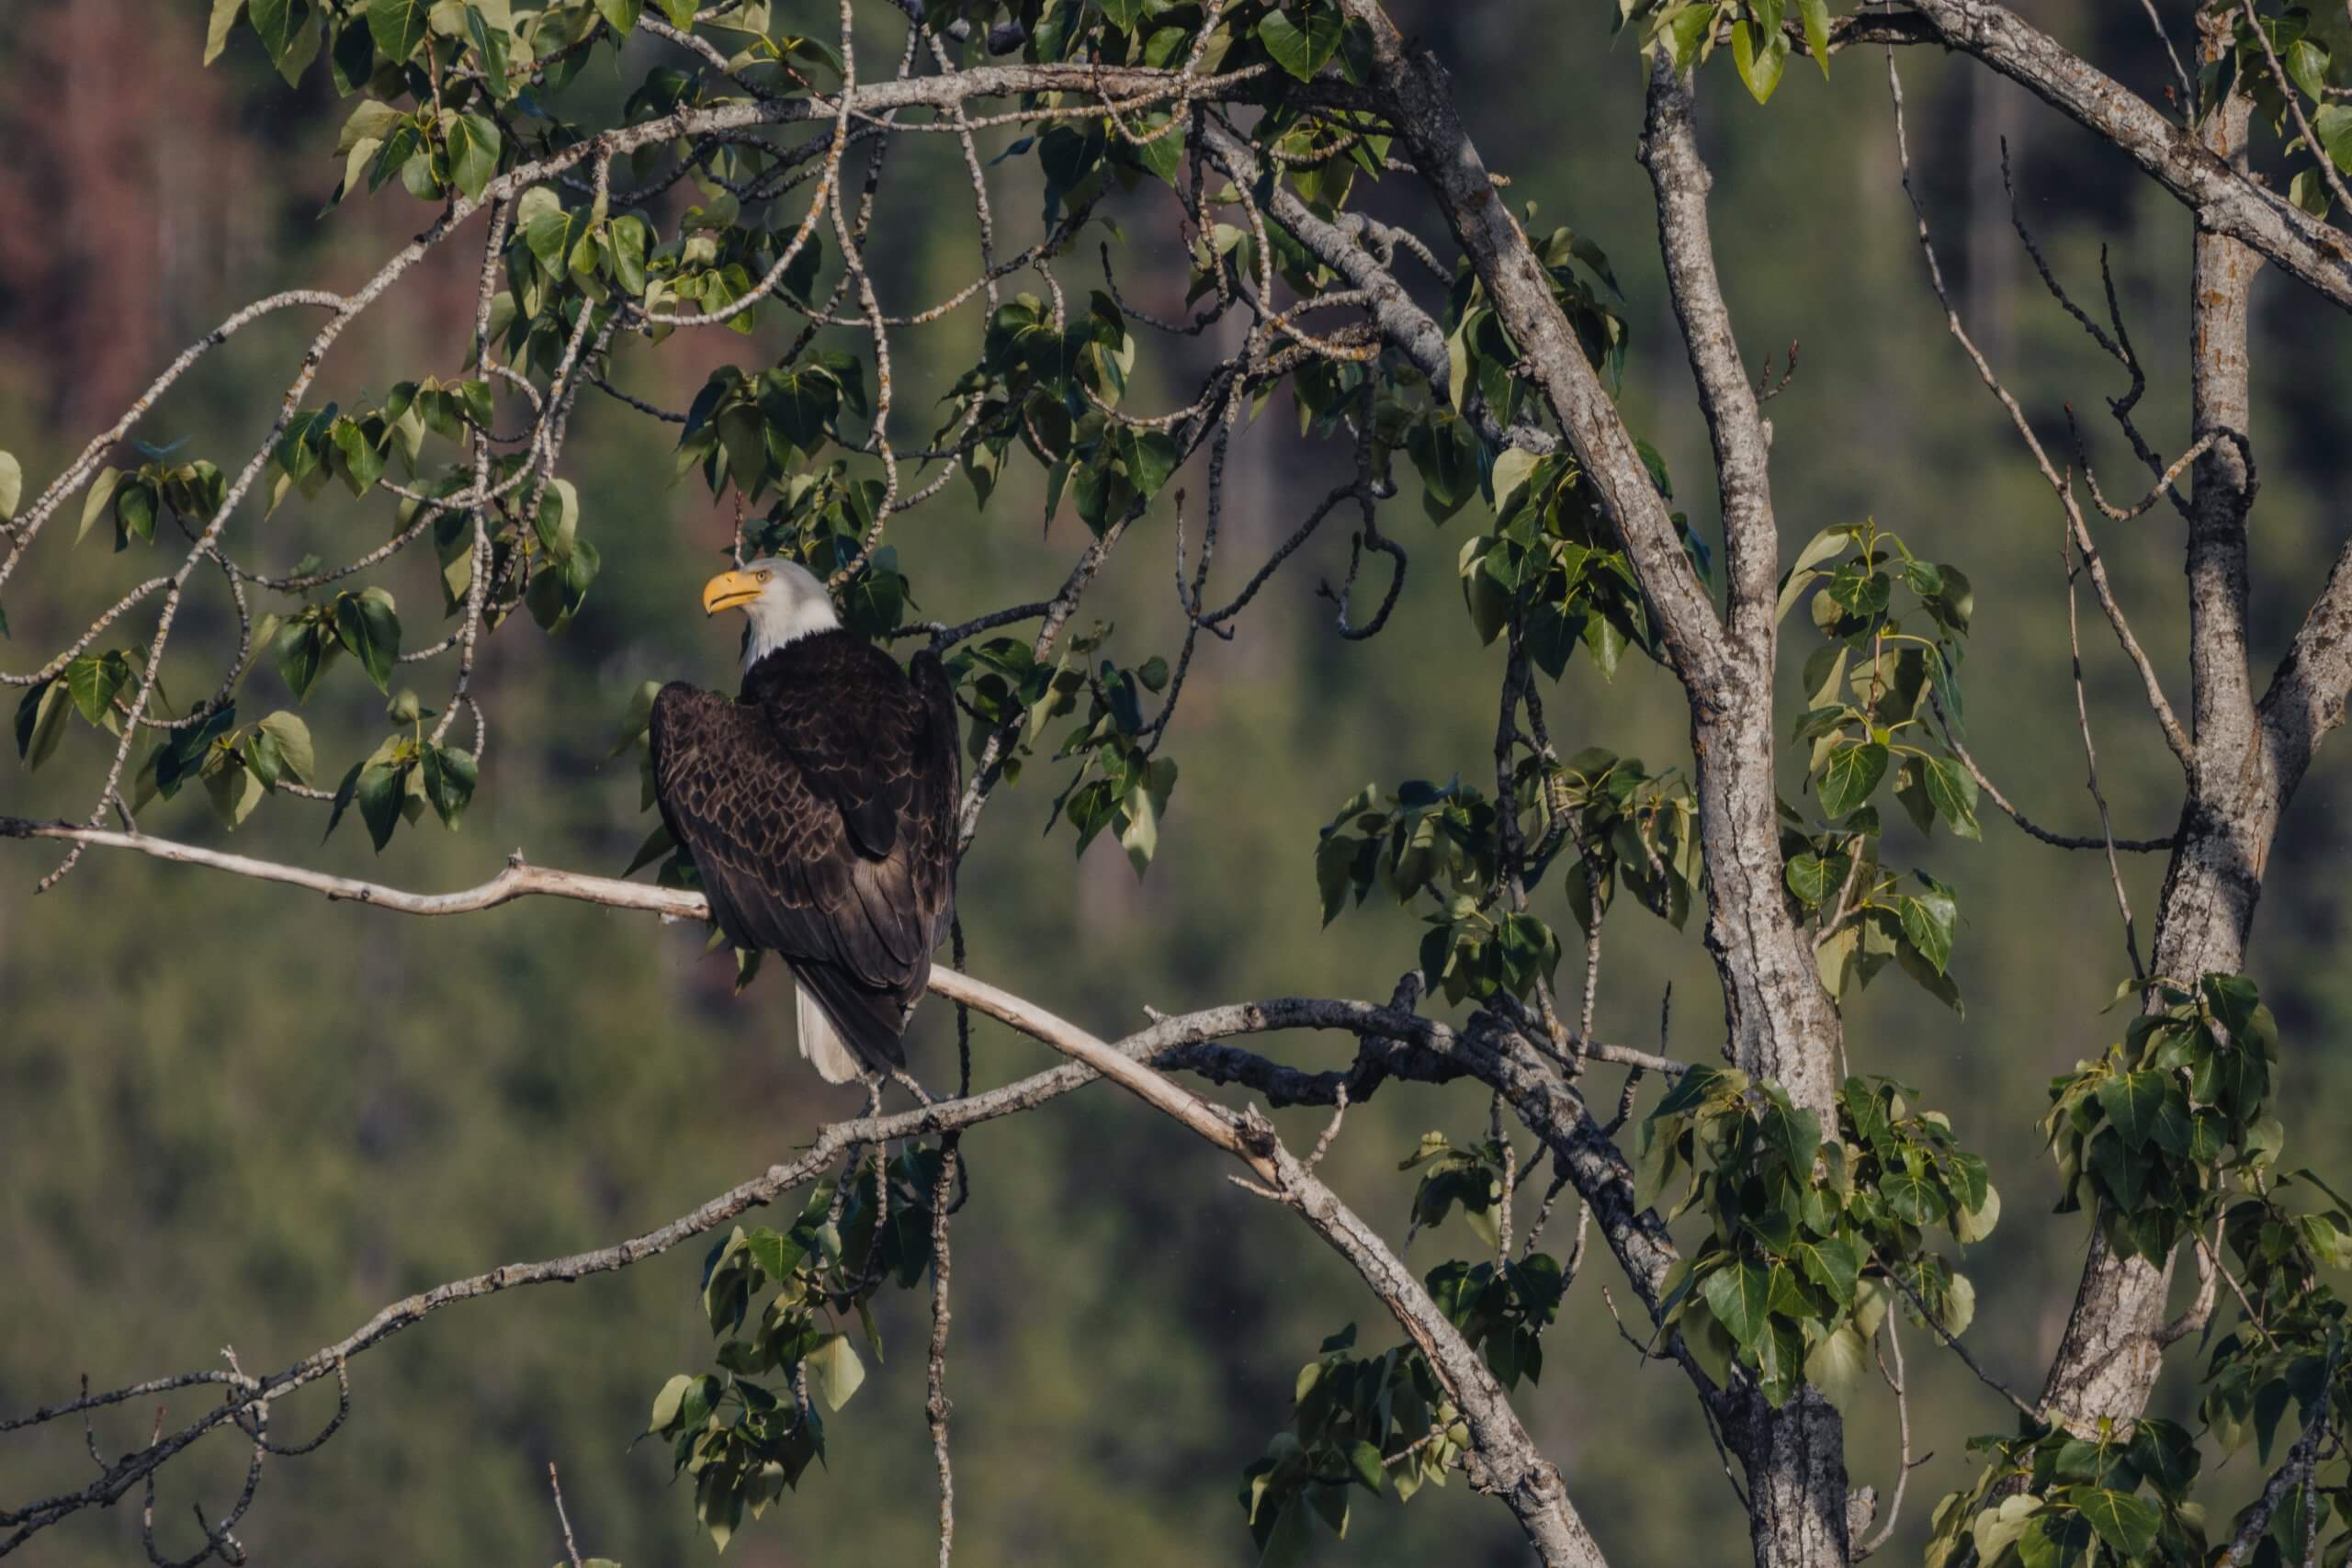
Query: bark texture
point(2111, 1353)
point(1781, 1022)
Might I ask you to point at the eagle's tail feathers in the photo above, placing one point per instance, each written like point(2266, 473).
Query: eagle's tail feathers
point(822, 1042)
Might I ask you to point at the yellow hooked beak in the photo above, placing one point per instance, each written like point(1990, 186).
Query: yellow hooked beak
point(731, 589)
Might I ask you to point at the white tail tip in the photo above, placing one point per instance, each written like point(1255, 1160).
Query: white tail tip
point(821, 1043)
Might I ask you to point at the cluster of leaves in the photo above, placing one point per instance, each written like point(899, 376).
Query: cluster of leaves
point(1437, 843)
point(462, 60)
point(1871, 688)
point(237, 765)
point(1630, 828)
point(1502, 1308)
point(2313, 47)
point(2294, 1348)
point(1385, 1422)
point(750, 431)
point(2285, 1349)
point(326, 443)
point(1551, 568)
point(1810, 1237)
point(2055, 1498)
point(2073, 1502)
point(748, 1430)
point(1379, 1423)
point(2162, 1127)
point(403, 776)
point(1757, 31)
point(1119, 783)
point(89, 684)
point(2160, 1124)
point(190, 493)
point(1055, 384)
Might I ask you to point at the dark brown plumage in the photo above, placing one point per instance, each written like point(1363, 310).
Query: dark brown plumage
point(820, 808)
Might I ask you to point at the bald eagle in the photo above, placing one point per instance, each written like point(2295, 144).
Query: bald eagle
point(820, 808)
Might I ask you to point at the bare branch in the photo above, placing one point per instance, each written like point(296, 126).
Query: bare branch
point(2175, 737)
point(2224, 199)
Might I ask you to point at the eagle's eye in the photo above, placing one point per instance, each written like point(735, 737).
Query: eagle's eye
point(765, 575)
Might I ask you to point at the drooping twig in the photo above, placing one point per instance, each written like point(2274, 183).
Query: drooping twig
point(2175, 736)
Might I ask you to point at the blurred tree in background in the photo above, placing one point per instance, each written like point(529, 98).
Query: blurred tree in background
point(234, 1114)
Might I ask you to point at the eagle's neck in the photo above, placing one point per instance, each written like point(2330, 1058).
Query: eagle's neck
point(801, 618)
point(810, 659)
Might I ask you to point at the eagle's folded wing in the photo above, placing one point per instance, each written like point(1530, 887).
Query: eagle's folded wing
point(778, 867)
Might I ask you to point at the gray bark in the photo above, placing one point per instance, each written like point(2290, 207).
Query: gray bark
point(1782, 1024)
point(2202, 178)
point(2111, 1353)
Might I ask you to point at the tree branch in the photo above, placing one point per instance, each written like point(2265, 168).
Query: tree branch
point(1529, 1485)
point(2224, 199)
point(1669, 149)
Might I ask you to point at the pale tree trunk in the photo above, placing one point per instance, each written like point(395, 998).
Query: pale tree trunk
point(2108, 1362)
point(1782, 1026)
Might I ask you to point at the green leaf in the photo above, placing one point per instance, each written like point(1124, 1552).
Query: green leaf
point(134, 512)
point(1911, 1197)
point(491, 44)
point(1150, 457)
point(1972, 1225)
point(277, 23)
point(1760, 70)
point(802, 403)
point(41, 719)
point(216, 31)
point(1738, 1294)
point(95, 680)
point(2133, 1102)
point(365, 623)
point(836, 1370)
point(1791, 1132)
point(398, 25)
point(449, 779)
point(1814, 879)
point(379, 790)
point(1822, 546)
point(2123, 1521)
point(621, 14)
point(94, 505)
point(1834, 1263)
point(280, 749)
point(2052, 1539)
point(1851, 776)
point(667, 1403)
point(630, 238)
point(1928, 922)
point(1816, 14)
point(302, 649)
point(1952, 791)
point(362, 463)
point(235, 790)
point(1838, 1365)
point(1301, 50)
point(473, 148)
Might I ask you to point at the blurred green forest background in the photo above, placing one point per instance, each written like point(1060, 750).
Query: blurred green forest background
point(230, 1115)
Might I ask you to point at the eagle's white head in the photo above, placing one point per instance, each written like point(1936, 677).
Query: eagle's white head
point(783, 601)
